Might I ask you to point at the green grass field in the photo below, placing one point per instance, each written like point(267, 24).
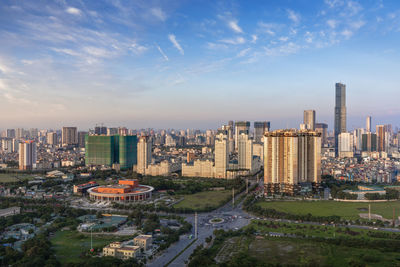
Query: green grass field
point(13, 177)
point(347, 210)
point(299, 230)
point(308, 253)
point(68, 245)
point(298, 252)
point(203, 199)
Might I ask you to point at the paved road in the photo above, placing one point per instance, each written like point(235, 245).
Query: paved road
point(234, 218)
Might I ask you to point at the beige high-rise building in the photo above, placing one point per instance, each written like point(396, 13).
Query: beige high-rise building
point(368, 124)
point(27, 155)
point(69, 136)
point(245, 152)
point(221, 155)
point(381, 134)
point(52, 138)
point(143, 154)
point(309, 119)
point(291, 157)
point(241, 126)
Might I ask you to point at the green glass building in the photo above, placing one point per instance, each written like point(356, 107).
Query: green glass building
point(107, 150)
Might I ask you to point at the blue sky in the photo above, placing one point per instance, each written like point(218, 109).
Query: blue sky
point(196, 64)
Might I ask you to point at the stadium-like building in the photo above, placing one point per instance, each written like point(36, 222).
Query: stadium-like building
point(124, 191)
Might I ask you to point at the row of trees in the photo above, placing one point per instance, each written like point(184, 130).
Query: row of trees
point(187, 186)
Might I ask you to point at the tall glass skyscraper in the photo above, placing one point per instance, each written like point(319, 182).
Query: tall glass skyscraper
point(107, 150)
point(340, 113)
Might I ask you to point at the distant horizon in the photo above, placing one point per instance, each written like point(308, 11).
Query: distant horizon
point(196, 64)
point(85, 127)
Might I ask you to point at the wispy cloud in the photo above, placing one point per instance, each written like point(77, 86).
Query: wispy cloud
point(268, 28)
point(233, 24)
point(347, 33)
point(331, 23)
point(158, 13)
point(173, 40)
point(243, 52)
point(293, 16)
point(334, 3)
point(285, 49)
point(162, 53)
point(234, 41)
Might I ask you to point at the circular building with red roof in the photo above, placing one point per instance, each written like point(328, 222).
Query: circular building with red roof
point(124, 191)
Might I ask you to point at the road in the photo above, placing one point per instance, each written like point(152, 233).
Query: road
point(234, 218)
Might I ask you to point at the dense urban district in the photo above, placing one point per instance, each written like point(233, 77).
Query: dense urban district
point(235, 196)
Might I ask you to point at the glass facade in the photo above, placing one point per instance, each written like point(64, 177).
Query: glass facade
point(107, 150)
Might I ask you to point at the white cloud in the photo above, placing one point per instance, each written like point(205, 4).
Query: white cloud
point(173, 40)
point(254, 38)
point(353, 8)
point(347, 33)
point(74, 11)
point(334, 3)
point(137, 49)
point(4, 69)
point(243, 52)
point(162, 53)
point(293, 16)
point(235, 41)
point(285, 49)
point(215, 46)
point(158, 13)
point(233, 24)
point(357, 24)
point(268, 28)
point(332, 23)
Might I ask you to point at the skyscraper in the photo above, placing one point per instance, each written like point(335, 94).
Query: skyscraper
point(112, 131)
point(143, 154)
point(240, 126)
point(27, 155)
point(245, 152)
point(107, 150)
point(368, 142)
point(10, 133)
point(340, 113)
point(368, 124)
point(231, 142)
point(52, 138)
point(69, 136)
point(260, 127)
point(81, 139)
point(381, 133)
point(346, 145)
point(100, 130)
point(221, 154)
point(322, 128)
point(309, 119)
point(291, 157)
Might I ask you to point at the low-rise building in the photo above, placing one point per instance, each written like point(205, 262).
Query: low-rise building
point(121, 251)
point(143, 241)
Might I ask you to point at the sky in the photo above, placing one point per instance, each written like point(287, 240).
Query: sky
point(196, 64)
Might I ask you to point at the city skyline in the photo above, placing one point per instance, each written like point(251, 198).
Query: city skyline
point(161, 65)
